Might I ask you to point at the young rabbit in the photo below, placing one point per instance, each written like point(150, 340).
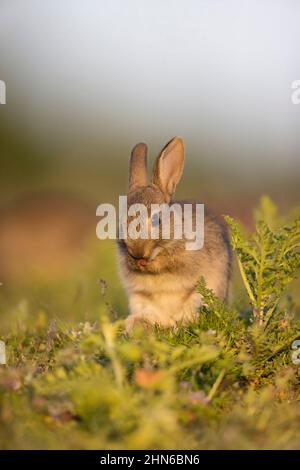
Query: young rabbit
point(161, 275)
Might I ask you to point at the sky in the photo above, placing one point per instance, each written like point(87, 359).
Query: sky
point(216, 72)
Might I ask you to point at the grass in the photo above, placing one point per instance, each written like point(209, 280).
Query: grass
point(74, 380)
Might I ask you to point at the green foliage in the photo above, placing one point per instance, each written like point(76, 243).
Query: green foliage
point(268, 260)
point(225, 381)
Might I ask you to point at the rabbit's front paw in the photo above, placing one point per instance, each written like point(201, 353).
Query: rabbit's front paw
point(133, 321)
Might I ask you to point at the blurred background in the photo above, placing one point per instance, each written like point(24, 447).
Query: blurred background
point(86, 80)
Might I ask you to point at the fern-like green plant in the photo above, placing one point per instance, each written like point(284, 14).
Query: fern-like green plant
point(268, 260)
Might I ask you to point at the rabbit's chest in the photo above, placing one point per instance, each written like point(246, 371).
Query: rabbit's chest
point(161, 287)
point(163, 299)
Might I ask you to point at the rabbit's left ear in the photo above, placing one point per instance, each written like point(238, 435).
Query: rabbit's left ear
point(138, 167)
point(168, 167)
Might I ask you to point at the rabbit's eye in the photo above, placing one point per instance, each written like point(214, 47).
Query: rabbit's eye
point(155, 220)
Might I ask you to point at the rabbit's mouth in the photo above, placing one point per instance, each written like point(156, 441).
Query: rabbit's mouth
point(139, 261)
point(146, 262)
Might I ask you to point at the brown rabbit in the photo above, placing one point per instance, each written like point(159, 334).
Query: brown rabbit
point(161, 275)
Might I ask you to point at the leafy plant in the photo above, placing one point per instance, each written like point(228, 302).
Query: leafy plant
point(268, 260)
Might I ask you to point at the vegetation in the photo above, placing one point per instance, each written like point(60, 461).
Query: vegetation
point(227, 381)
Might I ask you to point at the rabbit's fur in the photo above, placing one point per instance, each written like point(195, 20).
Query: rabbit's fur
point(160, 276)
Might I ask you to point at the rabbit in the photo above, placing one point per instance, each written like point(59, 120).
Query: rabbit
point(160, 276)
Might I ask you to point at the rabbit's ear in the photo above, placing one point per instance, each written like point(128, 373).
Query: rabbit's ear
point(138, 167)
point(168, 167)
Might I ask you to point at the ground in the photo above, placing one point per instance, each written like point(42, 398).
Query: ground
point(75, 380)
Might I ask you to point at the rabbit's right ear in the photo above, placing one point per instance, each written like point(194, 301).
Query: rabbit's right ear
point(168, 167)
point(138, 167)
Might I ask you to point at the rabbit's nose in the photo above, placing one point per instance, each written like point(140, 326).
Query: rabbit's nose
point(140, 257)
point(142, 262)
